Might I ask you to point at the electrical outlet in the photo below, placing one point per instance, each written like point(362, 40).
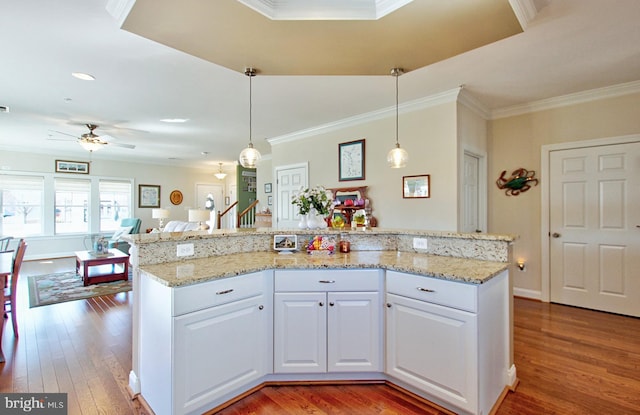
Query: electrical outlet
point(185, 250)
point(420, 243)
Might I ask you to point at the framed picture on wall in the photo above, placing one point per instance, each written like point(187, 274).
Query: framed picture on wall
point(351, 158)
point(148, 196)
point(64, 166)
point(416, 186)
point(267, 187)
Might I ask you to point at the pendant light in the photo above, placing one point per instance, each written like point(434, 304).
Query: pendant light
point(397, 157)
point(220, 175)
point(249, 157)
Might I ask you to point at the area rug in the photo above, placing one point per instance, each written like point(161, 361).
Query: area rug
point(67, 286)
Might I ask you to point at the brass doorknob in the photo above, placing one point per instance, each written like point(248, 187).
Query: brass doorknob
point(555, 235)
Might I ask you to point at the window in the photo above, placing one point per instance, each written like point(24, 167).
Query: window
point(115, 203)
point(22, 201)
point(72, 203)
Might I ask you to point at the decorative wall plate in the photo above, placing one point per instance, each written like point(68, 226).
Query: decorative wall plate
point(176, 197)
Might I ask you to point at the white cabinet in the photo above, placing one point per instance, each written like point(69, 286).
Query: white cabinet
point(446, 341)
point(218, 350)
point(203, 344)
point(327, 321)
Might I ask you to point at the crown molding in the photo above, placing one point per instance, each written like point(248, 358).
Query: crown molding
point(410, 106)
point(119, 9)
point(566, 100)
point(525, 11)
point(465, 98)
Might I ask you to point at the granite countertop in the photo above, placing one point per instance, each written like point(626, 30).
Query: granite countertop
point(187, 272)
point(217, 233)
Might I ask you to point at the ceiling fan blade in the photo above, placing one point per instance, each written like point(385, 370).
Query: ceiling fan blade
point(60, 132)
point(122, 145)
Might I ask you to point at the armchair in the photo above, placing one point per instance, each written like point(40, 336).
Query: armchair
point(127, 226)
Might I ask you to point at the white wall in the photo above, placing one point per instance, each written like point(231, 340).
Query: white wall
point(516, 142)
point(428, 135)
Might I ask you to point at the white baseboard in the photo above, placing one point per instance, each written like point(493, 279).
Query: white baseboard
point(134, 383)
point(523, 292)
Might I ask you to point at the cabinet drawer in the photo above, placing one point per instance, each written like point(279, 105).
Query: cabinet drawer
point(434, 290)
point(200, 296)
point(327, 280)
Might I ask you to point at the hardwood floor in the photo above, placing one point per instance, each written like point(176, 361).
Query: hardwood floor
point(569, 361)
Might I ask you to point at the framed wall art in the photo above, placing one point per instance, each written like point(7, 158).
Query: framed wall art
point(267, 187)
point(65, 166)
point(148, 196)
point(416, 187)
point(176, 197)
point(351, 160)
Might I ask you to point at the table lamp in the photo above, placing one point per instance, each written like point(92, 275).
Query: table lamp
point(201, 216)
point(161, 215)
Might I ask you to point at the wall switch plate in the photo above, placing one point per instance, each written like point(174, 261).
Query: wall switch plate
point(185, 250)
point(420, 243)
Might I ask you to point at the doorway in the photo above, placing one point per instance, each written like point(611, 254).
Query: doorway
point(288, 182)
point(593, 232)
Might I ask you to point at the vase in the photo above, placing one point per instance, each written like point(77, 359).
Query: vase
point(315, 220)
point(303, 222)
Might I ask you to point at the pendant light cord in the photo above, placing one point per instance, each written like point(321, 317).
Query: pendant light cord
point(397, 75)
point(250, 108)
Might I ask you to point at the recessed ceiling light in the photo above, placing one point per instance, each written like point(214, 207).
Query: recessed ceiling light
point(83, 76)
point(175, 120)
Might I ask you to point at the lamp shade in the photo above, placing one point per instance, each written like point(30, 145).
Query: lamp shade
point(160, 213)
point(249, 157)
point(397, 157)
point(199, 215)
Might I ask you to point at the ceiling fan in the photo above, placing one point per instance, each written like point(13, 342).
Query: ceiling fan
point(92, 142)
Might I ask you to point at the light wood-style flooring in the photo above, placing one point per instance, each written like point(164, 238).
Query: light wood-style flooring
point(569, 361)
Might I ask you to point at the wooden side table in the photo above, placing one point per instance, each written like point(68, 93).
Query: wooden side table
point(95, 269)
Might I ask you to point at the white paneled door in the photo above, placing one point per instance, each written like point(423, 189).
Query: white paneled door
point(471, 193)
point(594, 227)
point(288, 182)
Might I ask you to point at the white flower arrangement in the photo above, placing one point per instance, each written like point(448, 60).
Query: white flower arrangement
point(316, 197)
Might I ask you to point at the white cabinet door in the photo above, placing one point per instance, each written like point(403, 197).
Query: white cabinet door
point(300, 332)
point(354, 333)
point(433, 348)
point(218, 350)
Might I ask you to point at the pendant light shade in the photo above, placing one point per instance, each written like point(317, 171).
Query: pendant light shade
point(397, 157)
point(249, 157)
point(220, 175)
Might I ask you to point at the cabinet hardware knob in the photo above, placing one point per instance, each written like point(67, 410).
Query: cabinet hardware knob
point(426, 290)
point(321, 303)
point(331, 304)
point(326, 281)
point(224, 292)
point(555, 235)
point(261, 307)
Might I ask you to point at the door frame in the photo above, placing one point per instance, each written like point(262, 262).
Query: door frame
point(482, 187)
point(545, 166)
point(277, 201)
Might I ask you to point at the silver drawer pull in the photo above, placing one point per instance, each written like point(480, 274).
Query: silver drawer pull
point(426, 290)
point(326, 281)
point(224, 292)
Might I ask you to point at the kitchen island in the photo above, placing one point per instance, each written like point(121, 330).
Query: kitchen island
point(235, 315)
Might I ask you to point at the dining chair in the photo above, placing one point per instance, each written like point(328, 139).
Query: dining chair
point(10, 292)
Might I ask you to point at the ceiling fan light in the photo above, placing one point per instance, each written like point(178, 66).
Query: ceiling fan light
point(91, 146)
point(397, 157)
point(249, 157)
